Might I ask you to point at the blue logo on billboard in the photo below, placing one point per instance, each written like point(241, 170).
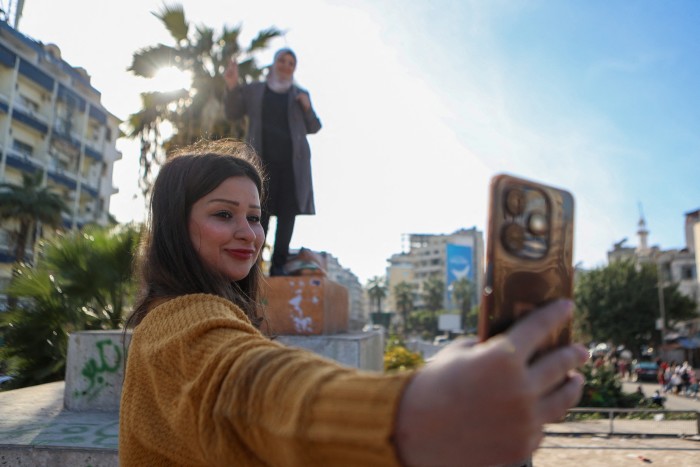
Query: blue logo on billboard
point(459, 263)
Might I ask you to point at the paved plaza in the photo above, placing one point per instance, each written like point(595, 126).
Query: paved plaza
point(34, 426)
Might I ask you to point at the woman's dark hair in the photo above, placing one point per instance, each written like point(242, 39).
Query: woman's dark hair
point(168, 264)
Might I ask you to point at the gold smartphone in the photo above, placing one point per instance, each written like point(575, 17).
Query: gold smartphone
point(529, 253)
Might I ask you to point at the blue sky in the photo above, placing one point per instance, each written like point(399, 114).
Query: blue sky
point(423, 101)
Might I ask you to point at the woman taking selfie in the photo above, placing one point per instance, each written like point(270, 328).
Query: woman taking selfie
point(204, 386)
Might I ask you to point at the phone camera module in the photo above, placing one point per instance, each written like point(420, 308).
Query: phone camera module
point(513, 237)
point(537, 224)
point(515, 201)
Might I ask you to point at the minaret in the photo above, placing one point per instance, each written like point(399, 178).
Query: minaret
point(643, 233)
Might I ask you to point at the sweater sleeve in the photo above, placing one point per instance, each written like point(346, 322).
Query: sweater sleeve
point(203, 386)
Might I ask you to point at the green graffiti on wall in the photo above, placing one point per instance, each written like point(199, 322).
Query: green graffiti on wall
point(108, 361)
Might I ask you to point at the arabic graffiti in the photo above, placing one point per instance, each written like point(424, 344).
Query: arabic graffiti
point(96, 370)
point(63, 432)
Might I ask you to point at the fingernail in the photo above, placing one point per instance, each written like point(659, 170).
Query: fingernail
point(583, 353)
point(569, 304)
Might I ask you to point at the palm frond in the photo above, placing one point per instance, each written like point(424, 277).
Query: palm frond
point(262, 40)
point(173, 17)
point(204, 42)
point(147, 61)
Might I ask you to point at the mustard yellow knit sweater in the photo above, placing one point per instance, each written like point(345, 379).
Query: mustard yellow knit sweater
point(204, 387)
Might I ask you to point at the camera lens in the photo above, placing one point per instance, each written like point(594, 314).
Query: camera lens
point(515, 201)
point(513, 237)
point(537, 223)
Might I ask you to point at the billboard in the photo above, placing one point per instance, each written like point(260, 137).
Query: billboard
point(459, 263)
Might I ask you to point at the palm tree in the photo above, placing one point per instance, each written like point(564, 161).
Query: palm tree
point(403, 293)
point(95, 268)
point(434, 294)
point(377, 291)
point(195, 113)
point(28, 205)
point(81, 281)
point(463, 292)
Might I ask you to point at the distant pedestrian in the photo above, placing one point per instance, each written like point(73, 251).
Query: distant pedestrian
point(658, 399)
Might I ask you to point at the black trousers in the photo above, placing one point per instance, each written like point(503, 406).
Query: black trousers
point(283, 235)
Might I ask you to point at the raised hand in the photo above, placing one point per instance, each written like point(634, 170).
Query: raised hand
point(231, 74)
point(304, 102)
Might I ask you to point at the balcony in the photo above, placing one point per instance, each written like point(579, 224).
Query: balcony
point(22, 162)
point(93, 154)
point(34, 74)
point(63, 178)
point(29, 119)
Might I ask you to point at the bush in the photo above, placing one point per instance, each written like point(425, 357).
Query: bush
point(602, 388)
point(398, 358)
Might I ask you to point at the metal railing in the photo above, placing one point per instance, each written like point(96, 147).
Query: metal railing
point(631, 422)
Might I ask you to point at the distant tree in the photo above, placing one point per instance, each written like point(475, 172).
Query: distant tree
point(463, 293)
point(403, 293)
point(377, 291)
point(81, 281)
point(194, 113)
point(28, 205)
point(434, 294)
point(424, 322)
point(619, 302)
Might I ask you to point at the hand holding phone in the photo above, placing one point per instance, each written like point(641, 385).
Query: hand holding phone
point(528, 253)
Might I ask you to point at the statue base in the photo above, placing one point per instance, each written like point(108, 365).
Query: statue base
point(305, 305)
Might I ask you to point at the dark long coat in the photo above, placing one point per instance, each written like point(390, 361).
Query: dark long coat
point(247, 100)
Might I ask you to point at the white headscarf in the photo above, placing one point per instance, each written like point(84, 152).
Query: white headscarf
point(274, 82)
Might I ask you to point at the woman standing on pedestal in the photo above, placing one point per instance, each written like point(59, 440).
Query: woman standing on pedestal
point(280, 116)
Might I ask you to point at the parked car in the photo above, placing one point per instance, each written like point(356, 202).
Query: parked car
point(645, 371)
point(441, 340)
point(5, 379)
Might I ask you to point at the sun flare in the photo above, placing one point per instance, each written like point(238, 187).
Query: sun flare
point(169, 79)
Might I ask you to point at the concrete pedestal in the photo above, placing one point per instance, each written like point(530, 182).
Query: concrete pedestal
point(305, 305)
point(95, 370)
point(96, 359)
point(363, 350)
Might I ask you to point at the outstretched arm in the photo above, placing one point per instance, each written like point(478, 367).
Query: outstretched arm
point(234, 104)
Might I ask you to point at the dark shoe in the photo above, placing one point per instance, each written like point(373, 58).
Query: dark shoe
point(277, 271)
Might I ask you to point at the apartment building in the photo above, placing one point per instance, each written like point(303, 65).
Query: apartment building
point(448, 257)
point(345, 277)
point(52, 121)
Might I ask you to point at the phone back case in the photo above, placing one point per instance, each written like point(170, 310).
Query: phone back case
point(528, 253)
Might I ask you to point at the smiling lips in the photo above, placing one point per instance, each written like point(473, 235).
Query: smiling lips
point(241, 253)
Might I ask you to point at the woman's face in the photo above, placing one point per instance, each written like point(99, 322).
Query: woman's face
point(284, 66)
point(225, 228)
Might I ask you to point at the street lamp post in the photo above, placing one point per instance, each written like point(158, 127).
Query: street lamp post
point(662, 306)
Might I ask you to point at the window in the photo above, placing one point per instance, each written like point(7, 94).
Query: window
point(687, 272)
point(28, 103)
point(22, 147)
